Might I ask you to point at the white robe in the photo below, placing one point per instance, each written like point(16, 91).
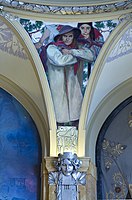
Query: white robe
point(65, 88)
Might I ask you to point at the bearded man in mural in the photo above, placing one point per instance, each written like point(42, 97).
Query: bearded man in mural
point(63, 62)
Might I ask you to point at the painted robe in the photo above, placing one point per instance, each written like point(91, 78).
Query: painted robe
point(65, 88)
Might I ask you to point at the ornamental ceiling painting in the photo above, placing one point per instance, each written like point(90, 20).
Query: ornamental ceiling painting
point(68, 65)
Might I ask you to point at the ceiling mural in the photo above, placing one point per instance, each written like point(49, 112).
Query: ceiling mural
point(68, 52)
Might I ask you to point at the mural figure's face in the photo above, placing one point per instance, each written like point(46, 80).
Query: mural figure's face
point(85, 30)
point(67, 38)
point(67, 167)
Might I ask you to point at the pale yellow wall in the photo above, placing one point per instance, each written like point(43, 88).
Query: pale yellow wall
point(105, 77)
point(30, 77)
point(25, 80)
point(111, 83)
point(103, 110)
point(28, 74)
point(21, 72)
point(114, 72)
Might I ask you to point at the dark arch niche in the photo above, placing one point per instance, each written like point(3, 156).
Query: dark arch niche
point(20, 152)
point(114, 154)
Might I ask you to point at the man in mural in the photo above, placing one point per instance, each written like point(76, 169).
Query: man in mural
point(92, 38)
point(50, 31)
point(63, 58)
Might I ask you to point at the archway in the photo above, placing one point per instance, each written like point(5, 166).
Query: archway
point(113, 154)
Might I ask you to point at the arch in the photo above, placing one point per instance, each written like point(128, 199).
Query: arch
point(113, 153)
point(20, 151)
point(32, 54)
point(108, 104)
point(32, 109)
point(85, 121)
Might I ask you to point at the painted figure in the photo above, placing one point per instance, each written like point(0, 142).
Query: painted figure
point(50, 31)
point(67, 178)
point(92, 38)
point(63, 58)
point(91, 35)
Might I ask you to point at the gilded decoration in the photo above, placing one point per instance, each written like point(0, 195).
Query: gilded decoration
point(67, 138)
point(130, 120)
point(111, 152)
point(66, 10)
point(119, 187)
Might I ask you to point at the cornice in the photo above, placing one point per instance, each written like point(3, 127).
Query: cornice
point(71, 3)
point(82, 8)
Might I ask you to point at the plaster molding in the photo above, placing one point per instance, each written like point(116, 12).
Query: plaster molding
point(41, 76)
point(98, 67)
point(31, 107)
point(87, 10)
point(108, 104)
point(8, 15)
point(125, 17)
point(65, 10)
point(71, 3)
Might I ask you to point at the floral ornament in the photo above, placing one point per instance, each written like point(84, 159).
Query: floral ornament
point(119, 187)
point(123, 47)
point(130, 123)
point(9, 42)
point(111, 151)
point(67, 139)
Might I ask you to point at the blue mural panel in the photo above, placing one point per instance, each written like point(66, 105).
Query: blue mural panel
point(20, 152)
point(113, 154)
